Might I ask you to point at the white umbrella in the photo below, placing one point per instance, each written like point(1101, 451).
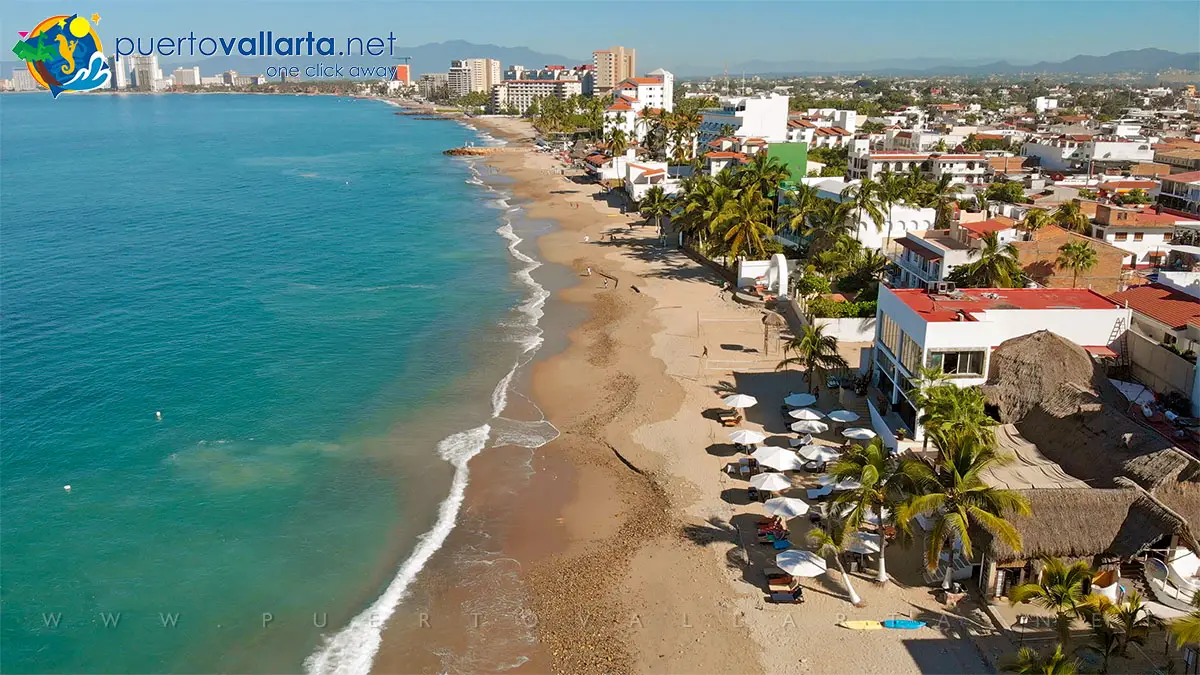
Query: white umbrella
point(740, 401)
point(773, 482)
point(800, 400)
point(806, 414)
point(780, 459)
point(786, 507)
point(859, 433)
point(843, 416)
point(818, 453)
point(871, 518)
point(810, 427)
point(747, 436)
point(801, 563)
point(864, 542)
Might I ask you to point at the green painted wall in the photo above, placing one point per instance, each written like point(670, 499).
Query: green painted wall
point(794, 155)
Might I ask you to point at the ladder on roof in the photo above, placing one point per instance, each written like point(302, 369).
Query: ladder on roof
point(1120, 335)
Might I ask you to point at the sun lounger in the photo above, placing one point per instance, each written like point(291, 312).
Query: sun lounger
point(820, 493)
point(731, 421)
point(781, 544)
point(807, 439)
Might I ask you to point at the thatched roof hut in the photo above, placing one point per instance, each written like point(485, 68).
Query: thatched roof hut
point(1096, 525)
point(1062, 401)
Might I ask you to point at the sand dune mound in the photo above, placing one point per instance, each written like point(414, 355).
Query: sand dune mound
point(1062, 401)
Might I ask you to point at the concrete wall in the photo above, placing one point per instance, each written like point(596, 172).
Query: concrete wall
point(885, 432)
point(849, 330)
point(1158, 368)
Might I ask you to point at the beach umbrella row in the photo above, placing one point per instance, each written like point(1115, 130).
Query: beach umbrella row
point(818, 453)
point(806, 414)
point(780, 459)
point(810, 427)
point(772, 482)
point(740, 401)
point(747, 436)
point(786, 507)
point(859, 433)
point(843, 416)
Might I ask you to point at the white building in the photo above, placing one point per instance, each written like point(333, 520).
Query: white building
point(1167, 315)
point(1144, 233)
point(863, 162)
point(1181, 191)
point(1070, 152)
point(902, 219)
point(186, 77)
point(214, 81)
point(920, 140)
point(641, 177)
point(1041, 104)
point(815, 136)
point(956, 332)
point(484, 74)
point(519, 94)
point(458, 79)
point(635, 97)
point(760, 116)
point(120, 72)
point(929, 257)
point(144, 71)
point(22, 80)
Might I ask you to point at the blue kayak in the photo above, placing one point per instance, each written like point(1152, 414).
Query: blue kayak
point(903, 624)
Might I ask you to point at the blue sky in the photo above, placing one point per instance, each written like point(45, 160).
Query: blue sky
point(669, 32)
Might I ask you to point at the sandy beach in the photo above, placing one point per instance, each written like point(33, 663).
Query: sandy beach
point(630, 534)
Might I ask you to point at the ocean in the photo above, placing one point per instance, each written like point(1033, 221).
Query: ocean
point(259, 337)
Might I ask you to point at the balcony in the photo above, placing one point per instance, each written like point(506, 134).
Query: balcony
point(913, 268)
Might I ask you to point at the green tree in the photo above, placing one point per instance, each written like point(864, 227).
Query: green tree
point(764, 174)
point(881, 487)
point(656, 205)
point(798, 204)
point(1085, 193)
point(745, 223)
point(865, 197)
point(952, 493)
point(1069, 216)
point(1134, 196)
point(1028, 662)
point(996, 265)
point(1077, 256)
point(830, 541)
point(1186, 629)
point(618, 143)
point(815, 352)
point(1008, 192)
point(1035, 220)
point(951, 412)
point(1060, 589)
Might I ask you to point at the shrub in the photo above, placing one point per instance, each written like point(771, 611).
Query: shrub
point(825, 308)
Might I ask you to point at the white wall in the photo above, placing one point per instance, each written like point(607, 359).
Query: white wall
point(1188, 282)
point(902, 218)
point(849, 330)
point(1152, 240)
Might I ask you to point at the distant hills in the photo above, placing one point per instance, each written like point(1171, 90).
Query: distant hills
point(1147, 61)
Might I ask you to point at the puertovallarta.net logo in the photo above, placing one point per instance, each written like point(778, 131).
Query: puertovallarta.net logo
point(63, 53)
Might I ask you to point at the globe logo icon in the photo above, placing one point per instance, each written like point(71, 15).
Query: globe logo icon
point(63, 53)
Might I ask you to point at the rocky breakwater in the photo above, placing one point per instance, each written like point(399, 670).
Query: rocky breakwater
point(472, 151)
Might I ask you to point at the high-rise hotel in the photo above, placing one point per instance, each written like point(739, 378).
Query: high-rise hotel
point(612, 66)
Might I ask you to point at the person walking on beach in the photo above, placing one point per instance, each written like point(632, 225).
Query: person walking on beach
point(589, 271)
point(704, 354)
point(606, 282)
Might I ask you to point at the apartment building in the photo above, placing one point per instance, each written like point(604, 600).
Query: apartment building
point(816, 136)
point(1085, 152)
point(762, 116)
point(520, 94)
point(458, 79)
point(920, 140)
point(1181, 192)
point(1144, 234)
point(864, 162)
point(612, 66)
point(119, 78)
point(186, 77)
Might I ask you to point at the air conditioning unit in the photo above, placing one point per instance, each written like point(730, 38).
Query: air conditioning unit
point(940, 287)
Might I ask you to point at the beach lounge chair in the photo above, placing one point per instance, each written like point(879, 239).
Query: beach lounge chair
point(752, 493)
point(731, 421)
point(820, 493)
point(807, 439)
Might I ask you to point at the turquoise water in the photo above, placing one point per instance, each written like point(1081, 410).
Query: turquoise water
point(311, 295)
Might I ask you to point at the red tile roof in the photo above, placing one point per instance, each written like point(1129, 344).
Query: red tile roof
point(1189, 177)
point(1128, 184)
point(1161, 303)
point(640, 80)
point(982, 227)
point(944, 308)
point(724, 155)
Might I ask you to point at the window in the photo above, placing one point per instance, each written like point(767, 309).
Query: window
point(910, 356)
point(1120, 236)
point(1169, 339)
point(1167, 236)
point(889, 334)
point(1137, 236)
point(959, 364)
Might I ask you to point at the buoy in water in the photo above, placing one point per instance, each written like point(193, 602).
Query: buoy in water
point(158, 414)
point(67, 488)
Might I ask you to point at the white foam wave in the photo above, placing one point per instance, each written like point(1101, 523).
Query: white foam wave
point(352, 650)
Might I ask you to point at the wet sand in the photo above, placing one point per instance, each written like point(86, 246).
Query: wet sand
point(626, 531)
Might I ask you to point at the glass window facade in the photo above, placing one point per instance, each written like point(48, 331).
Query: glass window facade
point(959, 363)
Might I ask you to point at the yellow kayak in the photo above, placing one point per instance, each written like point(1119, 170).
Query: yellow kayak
point(862, 625)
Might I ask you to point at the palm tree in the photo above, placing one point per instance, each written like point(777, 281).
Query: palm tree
point(726, 130)
point(891, 188)
point(687, 125)
point(881, 488)
point(1134, 620)
point(799, 204)
point(1035, 220)
point(998, 265)
point(925, 387)
point(1069, 216)
point(815, 352)
point(656, 205)
point(951, 411)
point(1077, 256)
point(745, 221)
point(1186, 629)
point(952, 493)
point(764, 174)
point(1028, 662)
point(829, 224)
point(865, 196)
point(1058, 589)
point(618, 143)
point(942, 195)
point(831, 541)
